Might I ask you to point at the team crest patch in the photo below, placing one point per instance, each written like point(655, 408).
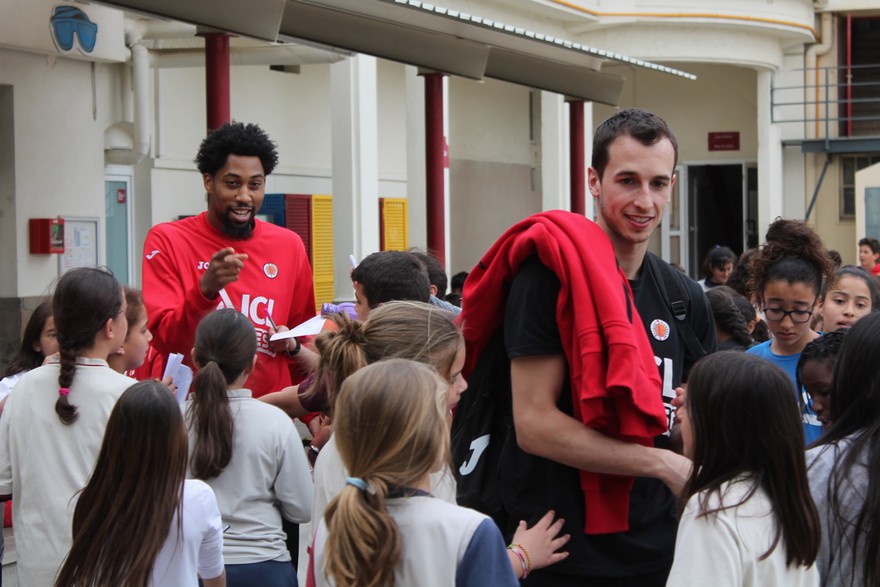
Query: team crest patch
point(660, 329)
point(271, 270)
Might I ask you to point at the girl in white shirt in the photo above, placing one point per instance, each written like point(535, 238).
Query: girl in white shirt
point(54, 419)
point(749, 518)
point(137, 522)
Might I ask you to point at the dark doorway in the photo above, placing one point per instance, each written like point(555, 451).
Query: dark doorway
point(715, 203)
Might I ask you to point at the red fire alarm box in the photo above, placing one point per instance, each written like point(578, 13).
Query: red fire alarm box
point(47, 235)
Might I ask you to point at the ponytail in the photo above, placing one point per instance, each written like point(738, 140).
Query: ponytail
point(66, 410)
point(363, 543)
point(213, 422)
point(340, 354)
point(391, 432)
point(96, 291)
point(225, 346)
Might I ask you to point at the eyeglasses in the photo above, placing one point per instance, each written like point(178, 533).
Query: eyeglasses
point(778, 315)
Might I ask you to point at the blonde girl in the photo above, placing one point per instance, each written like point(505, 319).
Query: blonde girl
point(385, 528)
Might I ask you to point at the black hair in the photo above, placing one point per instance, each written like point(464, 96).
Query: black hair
point(458, 280)
point(727, 390)
point(28, 357)
point(835, 256)
point(392, 275)
point(792, 253)
point(85, 299)
point(872, 243)
point(855, 416)
point(826, 347)
point(644, 126)
point(741, 277)
point(728, 317)
point(436, 272)
point(224, 347)
point(859, 273)
point(236, 138)
point(717, 257)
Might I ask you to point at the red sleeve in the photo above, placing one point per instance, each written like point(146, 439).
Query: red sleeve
point(302, 302)
point(175, 303)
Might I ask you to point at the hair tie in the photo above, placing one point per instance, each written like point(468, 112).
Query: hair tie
point(356, 482)
point(63, 391)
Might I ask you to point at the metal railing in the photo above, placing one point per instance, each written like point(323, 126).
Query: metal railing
point(831, 102)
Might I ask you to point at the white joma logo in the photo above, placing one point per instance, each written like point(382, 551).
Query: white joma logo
point(152, 254)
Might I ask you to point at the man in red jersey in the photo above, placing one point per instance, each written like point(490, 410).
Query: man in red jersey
point(227, 258)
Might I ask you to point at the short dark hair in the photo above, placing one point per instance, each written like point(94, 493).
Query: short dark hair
point(458, 280)
point(873, 243)
point(717, 257)
point(436, 272)
point(392, 275)
point(236, 138)
point(645, 127)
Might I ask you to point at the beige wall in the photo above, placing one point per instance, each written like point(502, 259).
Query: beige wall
point(58, 153)
point(722, 98)
point(492, 159)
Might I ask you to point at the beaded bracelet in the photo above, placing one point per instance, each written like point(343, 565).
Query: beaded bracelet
point(523, 555)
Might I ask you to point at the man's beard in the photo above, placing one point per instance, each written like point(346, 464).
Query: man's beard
point(237, 231)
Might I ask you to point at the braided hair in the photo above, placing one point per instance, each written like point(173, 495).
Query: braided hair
point(85, 299)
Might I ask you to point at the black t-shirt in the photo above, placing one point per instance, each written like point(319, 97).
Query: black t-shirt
point(531, 485)
point(663, 330)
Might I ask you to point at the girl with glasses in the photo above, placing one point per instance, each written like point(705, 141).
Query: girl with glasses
point(787, 277)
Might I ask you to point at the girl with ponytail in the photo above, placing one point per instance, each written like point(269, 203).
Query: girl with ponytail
point(424, 333)
point(137, 522)
point(54, 420)
point(385, 528)
point(248, 452)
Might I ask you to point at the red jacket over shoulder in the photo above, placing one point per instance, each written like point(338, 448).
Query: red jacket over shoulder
point(615, 384)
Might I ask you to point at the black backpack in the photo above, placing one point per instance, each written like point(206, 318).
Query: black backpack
point(672, 280)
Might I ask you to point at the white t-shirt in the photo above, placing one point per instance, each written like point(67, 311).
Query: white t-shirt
point(267, 477)
point(7, 383)
point(723, 549)
point(44, 462)
point(330, 477)
point(200, 554)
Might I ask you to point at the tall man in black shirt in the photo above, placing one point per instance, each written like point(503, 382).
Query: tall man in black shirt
point(538, 466)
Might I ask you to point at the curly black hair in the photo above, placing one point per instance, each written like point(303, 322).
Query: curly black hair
point(793, 253)
point(236, 138)
point(825, 347)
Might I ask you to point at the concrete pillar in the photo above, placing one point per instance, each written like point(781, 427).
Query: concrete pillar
point(554, 152)
point(770, 171)
point(355, 165)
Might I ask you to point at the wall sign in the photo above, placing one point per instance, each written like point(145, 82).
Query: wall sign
point(724, 141)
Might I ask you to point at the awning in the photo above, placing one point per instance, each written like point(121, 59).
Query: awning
point(416, 33)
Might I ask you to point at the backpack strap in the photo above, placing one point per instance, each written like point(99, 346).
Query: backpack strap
point(670, 280)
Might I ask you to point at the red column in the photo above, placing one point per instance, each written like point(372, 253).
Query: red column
point(435, 162)
point(217, 79)
point(578, 166)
